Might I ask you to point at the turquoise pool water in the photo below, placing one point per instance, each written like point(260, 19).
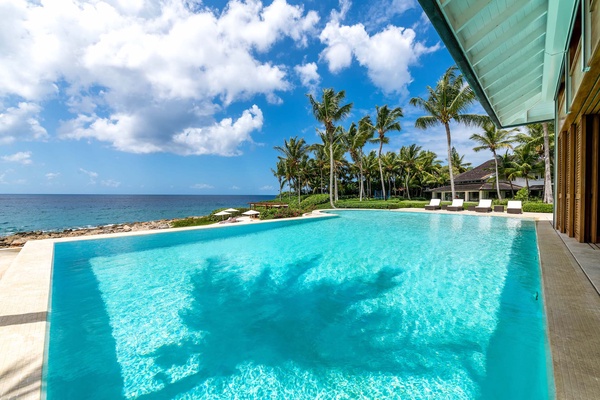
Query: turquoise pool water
point(370, 304)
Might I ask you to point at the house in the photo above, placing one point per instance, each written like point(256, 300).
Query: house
point(531, 62)
point(479, 183)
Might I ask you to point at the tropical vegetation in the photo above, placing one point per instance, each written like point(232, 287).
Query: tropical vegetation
point(357, 174)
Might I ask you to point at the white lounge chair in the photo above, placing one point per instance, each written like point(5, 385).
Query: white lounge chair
point(485, 205)
point(434, 204)
point(514, 207)
point(457, 205)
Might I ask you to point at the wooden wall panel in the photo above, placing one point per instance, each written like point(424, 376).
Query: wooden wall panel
point(594, 163)
point(570, 184)
point(577, 182)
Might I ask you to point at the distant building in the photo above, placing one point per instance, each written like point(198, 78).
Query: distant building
point(536, 61)
point(479, 183)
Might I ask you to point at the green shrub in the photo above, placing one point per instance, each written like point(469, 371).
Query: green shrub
point(368, 204)
point(314, 200)
point(522, 194)
point(276, 213)
point(192, 221)
point(534, 206)
point(412, 204)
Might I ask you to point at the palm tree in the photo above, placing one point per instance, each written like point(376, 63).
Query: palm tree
point(355, 139)
point(459, 164)
point(493, 139)
point(370, 165)
point(387, 120)
point(448, 101)
point(537, 136)
point(391, 168)
point(548, 197)
point(507, 171)
point(329, 111)
point(279, 173)
point(293, 152)
point(525, 161)
point(320, 158)
point(409, 157)
point(428, 168)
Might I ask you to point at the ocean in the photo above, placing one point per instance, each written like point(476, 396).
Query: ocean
point(43, 212)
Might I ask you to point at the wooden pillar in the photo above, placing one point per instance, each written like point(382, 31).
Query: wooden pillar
point(592, 199)
point(579, 182)
point(570, 181)
point(559, 181)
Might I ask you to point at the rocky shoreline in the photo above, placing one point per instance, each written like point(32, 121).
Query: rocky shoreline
point(19, 239)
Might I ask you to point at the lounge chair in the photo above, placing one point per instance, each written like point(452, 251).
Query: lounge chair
point(434, 204)
point(514, 207)
point(485, 205)
point(229, 220)
point(457, 205)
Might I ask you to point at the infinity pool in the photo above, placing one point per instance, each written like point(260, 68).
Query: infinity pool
point(368, 304)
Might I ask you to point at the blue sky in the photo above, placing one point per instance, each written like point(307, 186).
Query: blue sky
point(190, 97)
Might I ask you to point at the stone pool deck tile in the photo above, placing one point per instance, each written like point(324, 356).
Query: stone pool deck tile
point(24, 294)
point(588, 257)
point(7, 256)
point(573, 316)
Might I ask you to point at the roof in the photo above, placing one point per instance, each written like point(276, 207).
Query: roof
point(510, 51)
point(475, 187)
point(480, 173)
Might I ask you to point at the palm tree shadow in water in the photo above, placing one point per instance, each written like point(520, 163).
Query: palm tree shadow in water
point(276, 320)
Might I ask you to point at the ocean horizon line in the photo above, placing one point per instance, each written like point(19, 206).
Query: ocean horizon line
point(138, 194)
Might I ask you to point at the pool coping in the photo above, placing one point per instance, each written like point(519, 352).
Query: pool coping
point(572, 310)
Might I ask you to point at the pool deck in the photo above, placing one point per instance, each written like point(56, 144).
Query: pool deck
point(570, 276)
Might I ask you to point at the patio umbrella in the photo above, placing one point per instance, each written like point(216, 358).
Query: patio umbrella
point(251, 213)
point(222, 214)
point(232, 210)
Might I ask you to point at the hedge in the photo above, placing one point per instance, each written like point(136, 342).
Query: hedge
point(534, 206)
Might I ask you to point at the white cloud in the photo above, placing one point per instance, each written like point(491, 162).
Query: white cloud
point(110, 183)
point(202, 186)
point(222, 138)
point(52, 175)
point(235, 188)
point(386, 55)
point(308, 75)
point(22, 157)
point(341, 14)
point(382, 11)
point(90, 174)
point(20, 122)
point(119, 61)
point(267, 188)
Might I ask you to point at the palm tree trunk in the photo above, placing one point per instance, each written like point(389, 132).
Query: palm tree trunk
point(381, 170)
point(406, 185)
point(497, 176)
point(548, 196)
point(336, 187)
point(448, 138)
point(360, 190)
point(331, 172)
